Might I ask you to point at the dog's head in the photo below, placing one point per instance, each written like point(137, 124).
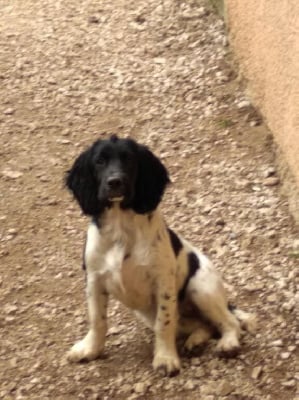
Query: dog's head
point(117, 170)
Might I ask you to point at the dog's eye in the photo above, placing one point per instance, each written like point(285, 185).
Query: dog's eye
point(101, 161)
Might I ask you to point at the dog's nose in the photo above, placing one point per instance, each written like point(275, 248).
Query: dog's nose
point(114, 182)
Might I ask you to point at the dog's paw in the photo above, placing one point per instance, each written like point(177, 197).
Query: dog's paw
point(166, 364)
point(197, 339)
point(228, 345)
point(86, 350)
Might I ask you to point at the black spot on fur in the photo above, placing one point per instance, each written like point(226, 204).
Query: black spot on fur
point(166, 296)
point(193, 263)
point(166, 322)
point(127, 256)
point(175, 242)
point(193, 266)
point(163, 308)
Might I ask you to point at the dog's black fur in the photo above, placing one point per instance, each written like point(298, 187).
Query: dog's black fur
point(140, 176)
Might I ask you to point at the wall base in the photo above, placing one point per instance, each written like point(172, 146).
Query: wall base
point(289, 186)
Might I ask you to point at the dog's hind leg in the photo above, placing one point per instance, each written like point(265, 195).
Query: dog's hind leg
point(206, 291)
point(198, 332)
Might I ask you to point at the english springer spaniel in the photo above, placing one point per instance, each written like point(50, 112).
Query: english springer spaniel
point(134, 256)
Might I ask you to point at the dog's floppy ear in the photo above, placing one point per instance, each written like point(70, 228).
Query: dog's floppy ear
point(80, 180)
point(152, 178)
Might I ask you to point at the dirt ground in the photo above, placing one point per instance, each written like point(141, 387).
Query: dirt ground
point(71, 71)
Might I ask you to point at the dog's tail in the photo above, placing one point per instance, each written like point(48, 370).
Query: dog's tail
point(247, 320)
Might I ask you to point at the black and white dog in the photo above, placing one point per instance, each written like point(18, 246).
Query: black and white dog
point(132, 255)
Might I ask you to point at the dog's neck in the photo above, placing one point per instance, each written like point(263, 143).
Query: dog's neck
point(113, 215)
point(118, 225)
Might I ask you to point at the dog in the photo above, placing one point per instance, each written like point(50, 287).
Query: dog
point(132, 255)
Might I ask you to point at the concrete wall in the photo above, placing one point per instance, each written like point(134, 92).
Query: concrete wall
point(264, 36)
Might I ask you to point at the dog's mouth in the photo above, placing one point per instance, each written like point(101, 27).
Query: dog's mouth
point(116, 199)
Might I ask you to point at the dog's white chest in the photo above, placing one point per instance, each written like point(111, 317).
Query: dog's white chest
point(131, 284)
point(121, 254)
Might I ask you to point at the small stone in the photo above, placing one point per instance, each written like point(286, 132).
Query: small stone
point(256, 188)
point(190, 384)
point(289, 305)
point(159, 60)
point(140, 19)
point(119, 35)
point(12, 386)
point(137, 26)
point(220, 222)
point(271, 181)
point(140, 387)
point(44, 178)
point(277, 343)
point(292, 348)
point(199, 373)
point(126, 388)
point(8, 173)
point(10, 309)
point(9, 111)
point(243, 104)
point(114, 330)
point(205, 390)
point(225, 388)
point(52, 202)
point(271, 234)
point(196, 361)
point(64, 141)
point(295, 245)
point(13, 362)
point(269, 172)
point(92, 19)
point(289, 384)
point(10, 318)
point(272, 298)
point(51, 81)
point(254, 287)
point(256, 372)
point(285, 355)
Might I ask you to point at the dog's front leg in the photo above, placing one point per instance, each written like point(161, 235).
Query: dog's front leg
point(93, 343)
point(166, 358)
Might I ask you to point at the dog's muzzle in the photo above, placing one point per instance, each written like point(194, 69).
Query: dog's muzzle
point(115, 188)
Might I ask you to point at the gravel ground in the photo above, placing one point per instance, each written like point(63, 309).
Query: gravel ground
point(158, 71)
